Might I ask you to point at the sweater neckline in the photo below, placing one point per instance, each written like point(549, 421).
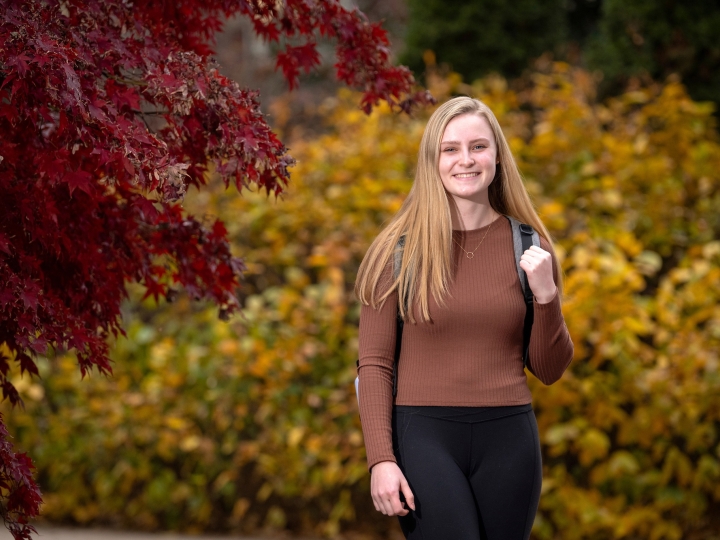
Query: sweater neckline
point(472, 232)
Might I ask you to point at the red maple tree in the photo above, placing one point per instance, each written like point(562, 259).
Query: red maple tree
point(108, 111)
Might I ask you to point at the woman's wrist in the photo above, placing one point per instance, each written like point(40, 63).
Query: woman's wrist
point(546, 299)
point(381, 463)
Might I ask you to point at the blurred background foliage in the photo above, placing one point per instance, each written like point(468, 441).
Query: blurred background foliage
point(252, 424)
point(623, 39)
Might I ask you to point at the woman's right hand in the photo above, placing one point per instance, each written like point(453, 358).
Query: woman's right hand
point(386, 483)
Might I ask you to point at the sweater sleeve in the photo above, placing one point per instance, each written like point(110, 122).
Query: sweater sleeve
point(377, 332)
point(551, 349)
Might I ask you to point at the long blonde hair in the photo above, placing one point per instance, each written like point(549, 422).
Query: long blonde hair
point(425, 221)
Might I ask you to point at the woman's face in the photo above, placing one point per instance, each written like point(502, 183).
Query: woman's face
point(468, 157)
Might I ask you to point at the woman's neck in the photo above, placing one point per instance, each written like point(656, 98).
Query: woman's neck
point(469, 215)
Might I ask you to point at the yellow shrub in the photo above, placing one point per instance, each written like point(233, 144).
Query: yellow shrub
point(253, 423)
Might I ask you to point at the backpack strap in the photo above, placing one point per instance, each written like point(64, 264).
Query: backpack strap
point(397, 264)
point(524, 236)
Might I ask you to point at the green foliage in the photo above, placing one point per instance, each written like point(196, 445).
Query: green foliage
point(480, 36)
point(253, 423)
point(660, 38)
point(620, 38)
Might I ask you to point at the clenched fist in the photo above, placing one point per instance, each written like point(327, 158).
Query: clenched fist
point(537, 264)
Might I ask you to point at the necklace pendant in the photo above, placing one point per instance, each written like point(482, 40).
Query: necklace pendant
point(470, 254)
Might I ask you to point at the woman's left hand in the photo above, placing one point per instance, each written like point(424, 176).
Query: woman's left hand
point(537, 264)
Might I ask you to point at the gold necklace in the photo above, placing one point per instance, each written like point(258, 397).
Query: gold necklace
point(471, 254)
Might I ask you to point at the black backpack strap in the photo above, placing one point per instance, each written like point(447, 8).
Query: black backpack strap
point(397, 264)
point(524, 236)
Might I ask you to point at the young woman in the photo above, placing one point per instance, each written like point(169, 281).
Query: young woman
point(456, 454)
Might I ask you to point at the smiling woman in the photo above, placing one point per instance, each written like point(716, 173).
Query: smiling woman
point(453, 448)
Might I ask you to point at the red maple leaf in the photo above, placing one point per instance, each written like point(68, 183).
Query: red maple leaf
point(81, 180)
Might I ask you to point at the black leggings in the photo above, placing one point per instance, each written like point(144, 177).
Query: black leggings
point(475, 472)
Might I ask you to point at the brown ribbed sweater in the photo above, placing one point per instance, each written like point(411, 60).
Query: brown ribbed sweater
point(470, 355)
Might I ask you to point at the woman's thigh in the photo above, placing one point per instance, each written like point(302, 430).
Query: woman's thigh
point(506, 475)
point(434, 455)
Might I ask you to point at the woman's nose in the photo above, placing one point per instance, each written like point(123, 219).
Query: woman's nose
point(467, 159)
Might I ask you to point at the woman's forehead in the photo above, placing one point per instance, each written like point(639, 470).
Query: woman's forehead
point(467, 127)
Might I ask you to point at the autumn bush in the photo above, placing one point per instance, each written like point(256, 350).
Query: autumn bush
point(252, 424)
